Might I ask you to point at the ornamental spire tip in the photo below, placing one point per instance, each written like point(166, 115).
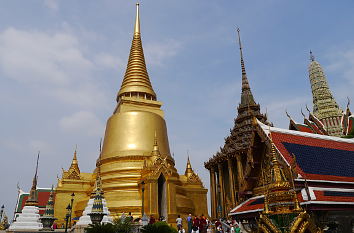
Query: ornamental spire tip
point(137, 20)
point(312, 57)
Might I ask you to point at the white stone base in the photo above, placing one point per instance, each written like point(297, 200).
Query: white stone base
point(27, 220)
point(85, 219)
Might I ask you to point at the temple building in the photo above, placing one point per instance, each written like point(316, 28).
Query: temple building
point(318, 167)
point(72, 181)
point(135, 156)
point(226, 166)
point(279, 180)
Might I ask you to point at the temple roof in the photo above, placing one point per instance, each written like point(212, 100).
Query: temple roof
point(240, 135)
point(43, 196)
point(318, 157)
point(136, 78)
point(74, 171)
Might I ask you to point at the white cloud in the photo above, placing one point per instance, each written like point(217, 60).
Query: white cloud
point(157, 52)
point(342, 61)
point(56, 64)
point(341, 73)
point(39, 145)
point(86, 95)
point(51, 4)
point(82, 123)
point(105, 60)
point(42, 58)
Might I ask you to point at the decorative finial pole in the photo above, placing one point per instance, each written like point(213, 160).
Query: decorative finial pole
point(36, 175)
point(312, 57)
point(241, 54)
point(100, 145)
point(137, 20)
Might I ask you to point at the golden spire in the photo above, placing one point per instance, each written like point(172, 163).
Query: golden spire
point(277, 174)
point(189, 170)
point(75, 157)
point(136, 82)
point(74, 170)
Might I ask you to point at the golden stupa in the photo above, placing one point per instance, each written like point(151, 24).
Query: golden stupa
point(135, 151)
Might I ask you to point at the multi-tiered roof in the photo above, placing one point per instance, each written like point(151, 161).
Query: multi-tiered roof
point(239, 139)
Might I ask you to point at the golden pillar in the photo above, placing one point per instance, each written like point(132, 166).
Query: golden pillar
point(239, 171)
point(231, 181)
point(213, 194)
point(221, 190)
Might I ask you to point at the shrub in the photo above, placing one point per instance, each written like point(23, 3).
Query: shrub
point(98, 228)
point(123, 225)
point(158, 227)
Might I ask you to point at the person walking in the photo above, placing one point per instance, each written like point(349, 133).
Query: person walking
point(237, 229)
point(179, 223)
point(190, 223)
point(152, 219)
point(196, 225)
point(203, 224)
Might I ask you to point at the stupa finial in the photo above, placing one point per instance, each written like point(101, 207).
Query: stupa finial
point(136, 82)
point(137, 20)
point(189, 169)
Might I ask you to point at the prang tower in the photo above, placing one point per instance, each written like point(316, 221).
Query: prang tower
point(325, 107)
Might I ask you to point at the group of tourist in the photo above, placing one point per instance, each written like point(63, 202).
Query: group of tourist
point(194, 224)
point(202, 224)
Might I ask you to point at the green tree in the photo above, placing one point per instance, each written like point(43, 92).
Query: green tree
point(101, 228)
point(158, 227)
point(123, 225)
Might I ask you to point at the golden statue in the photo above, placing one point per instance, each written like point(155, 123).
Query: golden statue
point(136, 153)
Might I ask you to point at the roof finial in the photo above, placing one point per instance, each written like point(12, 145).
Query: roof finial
point(241, 54)
point(36, 175)
point(137, 20)
point(312, 57)
point(75, 156)
point(246, 94)
point(189, 169)
point(287, 114)
point(307, 108)
point(302, 113)
point(100, 145)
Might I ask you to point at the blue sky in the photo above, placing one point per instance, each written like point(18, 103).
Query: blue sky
point(62, 62)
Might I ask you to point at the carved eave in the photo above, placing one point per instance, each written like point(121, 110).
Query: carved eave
point(159, 165)
point(71, 175)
